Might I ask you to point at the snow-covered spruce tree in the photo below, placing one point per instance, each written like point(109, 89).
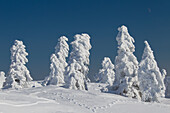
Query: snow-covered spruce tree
point(18, 76)
point(78, 62)
point(126, 66)
point(151, 80)
point(164, 74)
point(2, 79)
point(167, 83)
point(58, 63)
point(106, 74)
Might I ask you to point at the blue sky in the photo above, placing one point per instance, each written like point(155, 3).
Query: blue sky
point(39, 23)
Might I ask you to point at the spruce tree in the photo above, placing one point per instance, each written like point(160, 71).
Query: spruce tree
point(126, 66)
point(2, 79)
point(78, 62)
point(106, 74)
point(58, 63)
point(18, 75)
point(151, 80)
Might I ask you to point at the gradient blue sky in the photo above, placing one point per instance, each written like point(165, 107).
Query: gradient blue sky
point(39, 23)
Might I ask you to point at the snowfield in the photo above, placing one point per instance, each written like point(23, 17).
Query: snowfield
point(54, 99)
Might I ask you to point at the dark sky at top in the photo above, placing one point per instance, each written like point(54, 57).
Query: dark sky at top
point(39, 23)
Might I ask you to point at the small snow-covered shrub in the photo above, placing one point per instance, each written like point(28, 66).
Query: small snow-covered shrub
point(2, 79)
point(106, 74)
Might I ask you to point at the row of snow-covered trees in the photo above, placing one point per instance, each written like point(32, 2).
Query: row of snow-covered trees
point(72, 74)
point(128, 77)
point(132, 79)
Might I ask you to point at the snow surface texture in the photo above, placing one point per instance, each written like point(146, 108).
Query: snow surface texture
point(167, 83)
point(126, 66)
point(78, 62)
point(54, 99)
point(2, 79)
point(58, 63)
point(18, 76)
point(151, 80)
point(106, 74)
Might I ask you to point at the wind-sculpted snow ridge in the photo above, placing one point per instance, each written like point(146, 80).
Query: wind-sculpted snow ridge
point(18, 76)
point(151, 80)
point(58, 63)
point(54, 99)
point(78, 62)
point(106, 74)
point(126, 66)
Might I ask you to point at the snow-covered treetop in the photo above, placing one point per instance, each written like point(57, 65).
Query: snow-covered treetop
point(148, 58)
point(84, 39)
point(18, 52)
point(107, 64)
point(147, 51)
point(80, 52)
point(62, 48)
point(2, 73)
point(125, 41)
point(123, 28)
point(125, 62)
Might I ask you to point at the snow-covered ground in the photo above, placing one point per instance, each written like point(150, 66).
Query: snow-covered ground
point(53, 99)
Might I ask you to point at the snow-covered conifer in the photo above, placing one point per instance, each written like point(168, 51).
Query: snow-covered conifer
point(106, 74)
point(58, 63)
point(76, 78)
point(167, 83)
point(18, 76)
point(163, 73)
point(78, 62)
point(2, 79)
point(126, 66)
point(151, 80)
